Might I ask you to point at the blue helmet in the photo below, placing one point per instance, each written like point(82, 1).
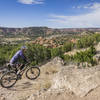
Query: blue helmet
point(23, 47)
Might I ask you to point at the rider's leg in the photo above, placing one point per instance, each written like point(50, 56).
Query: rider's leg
point(14, 67)
point(22, 66)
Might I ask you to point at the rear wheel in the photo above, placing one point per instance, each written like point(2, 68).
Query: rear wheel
point(8, 79)
point(32, 73)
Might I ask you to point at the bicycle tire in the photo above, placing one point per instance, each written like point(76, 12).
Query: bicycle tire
point(32, 69)
point(9, 79)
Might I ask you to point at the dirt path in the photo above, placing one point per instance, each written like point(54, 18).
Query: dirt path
point(24, 88)
point(65, 95)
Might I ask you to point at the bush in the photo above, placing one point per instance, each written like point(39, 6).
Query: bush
point(6, 52)
point(55, 52)
point(37, 53)
point(68, 46)
point(85, 42)
point(83, 56)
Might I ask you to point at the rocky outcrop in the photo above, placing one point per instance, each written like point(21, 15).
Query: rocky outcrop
point(79, 81)
point(56, 81)
point(97, 56)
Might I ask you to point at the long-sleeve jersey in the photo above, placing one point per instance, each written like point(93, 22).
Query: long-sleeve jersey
point(19, 54)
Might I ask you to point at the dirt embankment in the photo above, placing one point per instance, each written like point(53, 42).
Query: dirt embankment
point(57, 81)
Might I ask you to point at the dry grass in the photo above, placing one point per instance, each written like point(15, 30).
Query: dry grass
point(50, 70)
point(47, 85)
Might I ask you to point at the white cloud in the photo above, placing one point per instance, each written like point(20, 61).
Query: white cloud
point(31, 1)
point(95, 6)
point(91, 19)
point(89, 6)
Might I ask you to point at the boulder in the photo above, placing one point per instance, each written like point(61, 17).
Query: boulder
point(78, 81)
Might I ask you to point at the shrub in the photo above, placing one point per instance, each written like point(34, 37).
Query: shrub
point(85, 42)
point(56, 52)
point(82, 56)
point(68, 46)
point(37, 53)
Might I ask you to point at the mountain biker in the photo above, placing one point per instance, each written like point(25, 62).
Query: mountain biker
point(19, 54)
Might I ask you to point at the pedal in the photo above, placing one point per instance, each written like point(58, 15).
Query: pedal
point(19, 76)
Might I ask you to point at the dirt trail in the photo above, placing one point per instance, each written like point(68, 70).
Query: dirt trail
point(24, 88)
point(65, 95)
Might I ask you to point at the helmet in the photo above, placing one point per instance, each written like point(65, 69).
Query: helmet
point(23, 47)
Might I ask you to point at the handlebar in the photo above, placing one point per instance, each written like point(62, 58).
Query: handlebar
point(27, 63)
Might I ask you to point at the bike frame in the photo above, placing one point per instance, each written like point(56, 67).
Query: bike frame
point(23, 70)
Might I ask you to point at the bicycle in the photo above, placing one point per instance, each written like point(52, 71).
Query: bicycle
point(10, 78)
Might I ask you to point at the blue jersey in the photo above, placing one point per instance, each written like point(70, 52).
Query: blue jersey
point(19, 54)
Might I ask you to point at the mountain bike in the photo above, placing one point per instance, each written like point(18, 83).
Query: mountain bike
point(9, 78)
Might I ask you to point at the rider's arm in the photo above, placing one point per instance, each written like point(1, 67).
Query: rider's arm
point(23, 57)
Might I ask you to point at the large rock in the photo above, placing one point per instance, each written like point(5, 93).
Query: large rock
point(79, 81)
point(98, 47)
point(97, 56)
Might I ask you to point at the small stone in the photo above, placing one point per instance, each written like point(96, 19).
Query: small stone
point(2, 98)
point(31, 97)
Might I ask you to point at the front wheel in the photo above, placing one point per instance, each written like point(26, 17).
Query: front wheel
point(32, 73)
point(8, 79)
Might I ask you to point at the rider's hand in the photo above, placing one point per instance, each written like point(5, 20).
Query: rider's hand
point(27, 61)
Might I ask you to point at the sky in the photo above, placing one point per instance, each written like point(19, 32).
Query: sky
point(50, 13)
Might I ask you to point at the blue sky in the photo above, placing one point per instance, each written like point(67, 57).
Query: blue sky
point(50, 13)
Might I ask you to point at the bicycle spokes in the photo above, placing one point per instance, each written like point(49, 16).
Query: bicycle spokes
point(32, 73)
point(8, 79)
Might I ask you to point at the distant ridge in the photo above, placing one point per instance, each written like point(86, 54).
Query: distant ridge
point(33, 31)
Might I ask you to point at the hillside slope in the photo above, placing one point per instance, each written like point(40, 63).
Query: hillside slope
point(57, 81)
